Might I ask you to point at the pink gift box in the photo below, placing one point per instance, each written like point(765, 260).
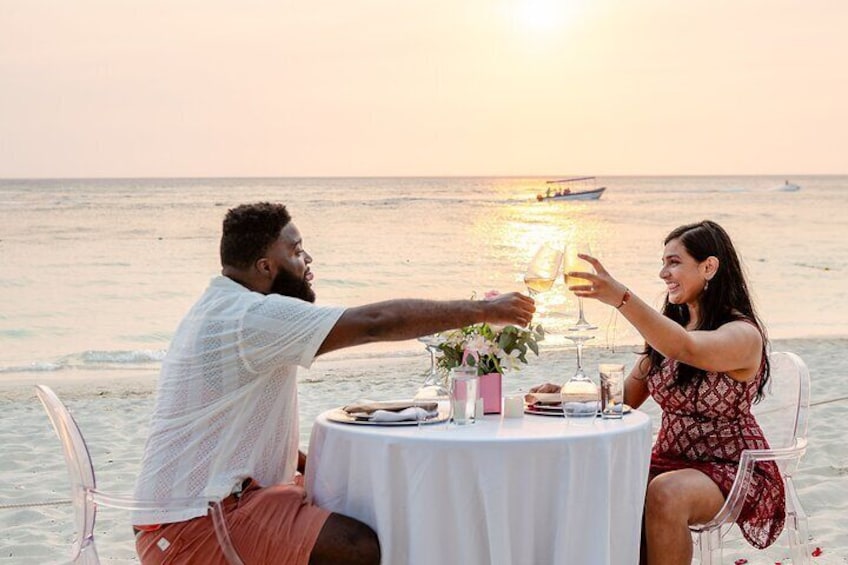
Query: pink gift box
point(490, 392)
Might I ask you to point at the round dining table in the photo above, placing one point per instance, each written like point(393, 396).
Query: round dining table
point(537, 489)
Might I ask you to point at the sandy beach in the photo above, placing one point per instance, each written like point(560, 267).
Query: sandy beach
point(112, 409)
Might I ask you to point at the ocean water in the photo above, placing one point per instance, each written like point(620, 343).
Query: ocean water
point(96, 274)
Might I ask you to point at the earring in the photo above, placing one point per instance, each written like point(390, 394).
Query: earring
point(706, 285)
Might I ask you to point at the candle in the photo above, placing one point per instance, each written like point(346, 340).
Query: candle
point(513, 407)
point(478, 409)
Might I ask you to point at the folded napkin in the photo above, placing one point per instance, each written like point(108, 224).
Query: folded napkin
point(364, 409)
point(414, 413)
point(543, 398)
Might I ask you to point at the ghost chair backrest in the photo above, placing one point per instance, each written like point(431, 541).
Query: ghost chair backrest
point(86, 497)
point(782, 414)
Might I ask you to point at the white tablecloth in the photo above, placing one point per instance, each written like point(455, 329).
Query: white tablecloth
point(536, 490)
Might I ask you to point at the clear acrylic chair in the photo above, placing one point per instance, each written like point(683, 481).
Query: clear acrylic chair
point(86, 497)
point(782, 415)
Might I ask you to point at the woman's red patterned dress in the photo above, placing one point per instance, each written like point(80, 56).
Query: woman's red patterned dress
point(705, 426)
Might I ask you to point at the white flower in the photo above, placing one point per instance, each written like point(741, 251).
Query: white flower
point(509, 361)
point(479, 345)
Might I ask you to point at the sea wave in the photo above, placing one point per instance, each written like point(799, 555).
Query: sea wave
point(91, 360)
point(698, 190)
point(132, 356)
point(43, 367)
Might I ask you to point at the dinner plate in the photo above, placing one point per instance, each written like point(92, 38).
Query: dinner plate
point(342, 417)
point(555, 410)
point(544, 409)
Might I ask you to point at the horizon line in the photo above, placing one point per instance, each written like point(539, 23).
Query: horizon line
point(257, 177)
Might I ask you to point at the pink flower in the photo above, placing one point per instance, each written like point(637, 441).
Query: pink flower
point(490, 294)
point(470, 353)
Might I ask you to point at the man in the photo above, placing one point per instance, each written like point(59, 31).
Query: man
point(225, 422)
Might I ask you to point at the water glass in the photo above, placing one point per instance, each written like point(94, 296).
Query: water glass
point(465, 391)
point(612, 390)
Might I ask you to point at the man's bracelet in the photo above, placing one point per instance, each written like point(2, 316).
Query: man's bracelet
point(624, 298)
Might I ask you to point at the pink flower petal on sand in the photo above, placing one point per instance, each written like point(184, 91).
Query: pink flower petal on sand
point(490, 294)
point(740, 561)
point(817, 551)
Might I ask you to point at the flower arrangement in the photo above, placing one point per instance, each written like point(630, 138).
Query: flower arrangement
point(490, 349)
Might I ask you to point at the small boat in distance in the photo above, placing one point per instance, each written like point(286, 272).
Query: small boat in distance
point(571, 190)
point(787, 187)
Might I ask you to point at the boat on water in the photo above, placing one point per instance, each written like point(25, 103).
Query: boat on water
point(572, 189)
point(787, 187)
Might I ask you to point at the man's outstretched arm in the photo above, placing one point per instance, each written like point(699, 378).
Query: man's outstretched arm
point(396, 320)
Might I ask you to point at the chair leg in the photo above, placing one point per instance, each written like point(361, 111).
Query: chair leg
point(222, 533)
point(796, 526)
point(88, 554)
point(709, 544)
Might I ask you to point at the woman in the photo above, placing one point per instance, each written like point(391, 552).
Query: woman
point(704, 363)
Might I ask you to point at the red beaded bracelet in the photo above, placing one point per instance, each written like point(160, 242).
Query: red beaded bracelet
point(624, 298)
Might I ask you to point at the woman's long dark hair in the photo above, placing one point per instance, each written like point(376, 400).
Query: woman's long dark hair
point(726, 299)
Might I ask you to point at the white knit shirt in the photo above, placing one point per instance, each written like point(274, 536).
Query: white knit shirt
point(226, 402)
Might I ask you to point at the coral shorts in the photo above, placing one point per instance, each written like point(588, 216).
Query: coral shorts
point(267, 525)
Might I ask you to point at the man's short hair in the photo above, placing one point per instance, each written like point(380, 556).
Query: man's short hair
point(248, 231)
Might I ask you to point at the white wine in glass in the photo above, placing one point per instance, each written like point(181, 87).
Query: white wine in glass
point(543, 269)
point(537, 285)
point(576, 281)
point(575, 263)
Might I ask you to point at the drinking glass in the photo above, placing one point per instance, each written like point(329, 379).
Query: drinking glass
point(575, 263)
point(433, 387)
point(580, 395)
point(464, 394)
point(612, 390)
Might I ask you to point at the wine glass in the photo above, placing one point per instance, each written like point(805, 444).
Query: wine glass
point(575, 263)
point(580, 395)
point(433, 387)
point(543, 269)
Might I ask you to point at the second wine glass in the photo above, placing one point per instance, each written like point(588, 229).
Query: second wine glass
point(574, 263)
point(580, 395)
point(433, 387)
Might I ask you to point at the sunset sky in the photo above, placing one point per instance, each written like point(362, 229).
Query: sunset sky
point(114, 88)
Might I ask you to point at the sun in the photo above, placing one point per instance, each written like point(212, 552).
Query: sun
point(540, 15)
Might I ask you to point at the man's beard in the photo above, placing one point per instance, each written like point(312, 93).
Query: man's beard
point(287, 284)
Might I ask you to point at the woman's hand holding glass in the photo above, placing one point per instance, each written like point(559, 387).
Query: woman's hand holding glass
point(599, 285)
